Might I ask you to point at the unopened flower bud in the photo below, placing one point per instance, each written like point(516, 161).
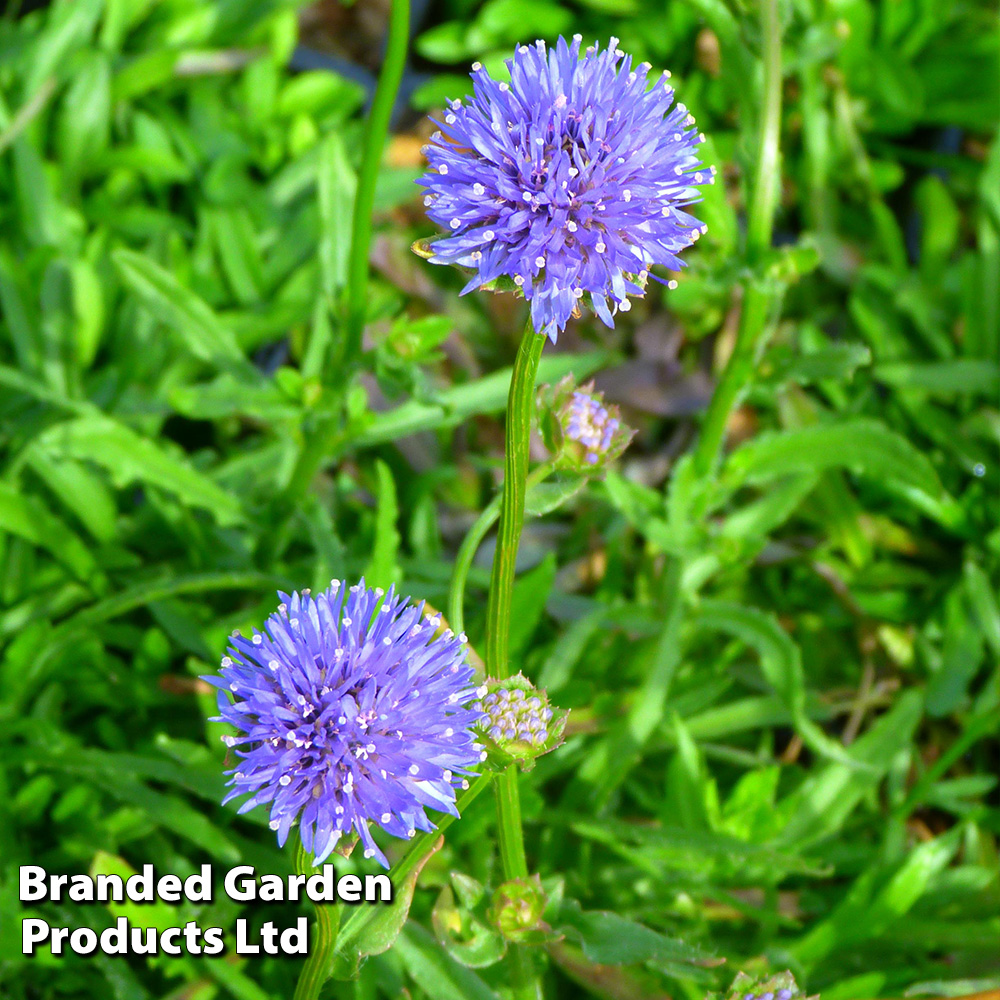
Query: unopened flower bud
point(518, 724)
point(579, 429)
point(779, 987)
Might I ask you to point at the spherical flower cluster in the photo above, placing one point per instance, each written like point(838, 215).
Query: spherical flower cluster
point(517, 722)
point(578, 428)
point(781, 986)
point(570, 180)
point(589, 422)
point(511, 715)
point(351, 710)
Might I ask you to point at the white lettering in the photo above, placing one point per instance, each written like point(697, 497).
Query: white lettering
point(31, 885)
point(34, 931)
point(243, 891)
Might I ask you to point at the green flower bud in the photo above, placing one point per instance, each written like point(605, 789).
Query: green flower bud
point(581, 432)
point(517, 724)
point(517, 908)
point(778, 987)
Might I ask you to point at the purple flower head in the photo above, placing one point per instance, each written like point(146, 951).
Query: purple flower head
point(778, 987)
point(351, 710)
point(517, 723)
point(569, 180)
point(579, 428)
point(588, 422)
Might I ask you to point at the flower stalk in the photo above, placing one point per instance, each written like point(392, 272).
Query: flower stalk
point(470, 544)
point(323, 441)
point(757, 299)
point(324, 939)
point(364, 200)
point(520, 406)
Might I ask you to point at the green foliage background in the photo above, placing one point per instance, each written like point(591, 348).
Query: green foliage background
point(797, 767)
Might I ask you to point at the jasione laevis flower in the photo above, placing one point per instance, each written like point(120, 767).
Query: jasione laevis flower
point(580, 429)
point(570, 180)
point(352, 710)
point(517, 722)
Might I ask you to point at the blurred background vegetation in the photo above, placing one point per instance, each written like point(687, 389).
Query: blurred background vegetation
point(796, 767)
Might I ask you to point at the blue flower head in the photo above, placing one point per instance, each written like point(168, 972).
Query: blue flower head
point(579, 428)
point(352, 710)
point(570, 180)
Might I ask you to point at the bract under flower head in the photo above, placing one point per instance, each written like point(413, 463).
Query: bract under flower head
point(569, 180)
point(351, 711)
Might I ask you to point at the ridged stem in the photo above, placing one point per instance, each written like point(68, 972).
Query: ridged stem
point(760, 224)
point(323, 440)
point(323, 944)
point(520, 406)
point(374, 143)
point(470, 544)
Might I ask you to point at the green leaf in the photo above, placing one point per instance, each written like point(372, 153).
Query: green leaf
point(659, 848)
point(835, 361)
point(610, 939)
point(436, 972)
point(458, 403)
point(205, 336)
point(152, 914)
point(775, 506)
point(84, 126)
point(381, 932)
point(865, 913)
point(827, 797)
point(382, 569)
point(531, 591)
point(864, 446)
point(544, 498)
point(130, 458)
point(89, 312)
point(337, 184)
point(236, 245)
point(953, 376)
point(27, 518)
point(80, 491)
point(780, 659)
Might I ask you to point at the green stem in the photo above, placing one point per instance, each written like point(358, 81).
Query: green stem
point(760, 225)
point(512, 857)
point(470, 544)
point(324, 940)
point(323, 439)
point(520, 405)
point(371, 158)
